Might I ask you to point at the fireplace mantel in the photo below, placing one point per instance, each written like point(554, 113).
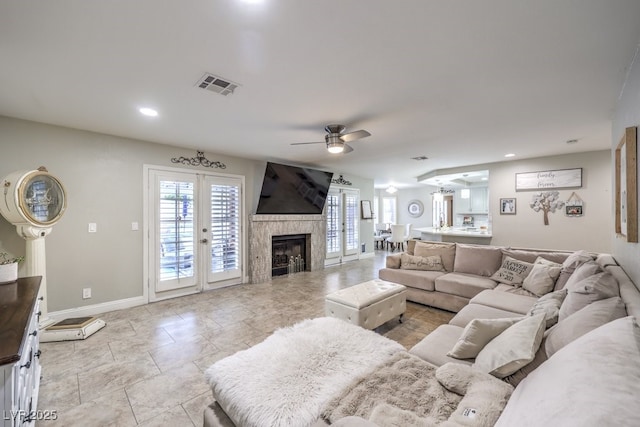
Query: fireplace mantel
point(263, 227)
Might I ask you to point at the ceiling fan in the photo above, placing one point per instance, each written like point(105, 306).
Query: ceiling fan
point(336, 140)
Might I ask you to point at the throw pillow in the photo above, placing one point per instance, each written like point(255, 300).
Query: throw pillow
point(446, 251)
point(512, 349)
point(594, 288)
point(587, 269)
point(591, 382)
point(477, 334)
point(582, 321)
point(549, 305)
point(512, 271)
point(541, 279)
point(541, 260)
point(412, 262)
point(569, 265)
point(477, 259)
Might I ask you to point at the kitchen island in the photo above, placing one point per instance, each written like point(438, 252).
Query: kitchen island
point(472, 235)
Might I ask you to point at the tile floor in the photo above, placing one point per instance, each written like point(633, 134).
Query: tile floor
point(146, 366)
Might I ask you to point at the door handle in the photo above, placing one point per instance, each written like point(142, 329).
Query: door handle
point(203, 241)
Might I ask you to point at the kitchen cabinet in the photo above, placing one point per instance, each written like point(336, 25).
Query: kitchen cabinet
point(19, 352)
point(477, 203)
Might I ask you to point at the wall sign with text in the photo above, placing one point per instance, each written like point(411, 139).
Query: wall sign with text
point(553, 179)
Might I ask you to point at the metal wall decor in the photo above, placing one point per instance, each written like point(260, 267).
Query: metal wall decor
point(546, 202)
point(341, 181)
point(199, 160)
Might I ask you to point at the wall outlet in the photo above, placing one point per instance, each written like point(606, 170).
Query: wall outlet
point(86, 293)
point(93, 227)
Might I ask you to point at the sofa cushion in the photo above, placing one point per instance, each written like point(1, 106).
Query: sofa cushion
point(573, 261)
point(434, 347)
point(446, 251)
point(476, 259)
point(424, 280)
point(517, 290)
point(541, 279)
point(582, 321)
point(464, 285)
point(505, 301)
point(593, 288)
point(393, 261)
point(512, 271)
point(477, 334)
point(513, 348)
point(413, 262)
point(478, 311)
point(549, 305)
point(591, 382)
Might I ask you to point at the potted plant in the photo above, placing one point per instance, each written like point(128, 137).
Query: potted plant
point(8, 268)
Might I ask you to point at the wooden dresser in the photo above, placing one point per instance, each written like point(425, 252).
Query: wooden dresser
point(19, 352)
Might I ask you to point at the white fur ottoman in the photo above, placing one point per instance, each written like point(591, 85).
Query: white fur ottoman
point(368, 304)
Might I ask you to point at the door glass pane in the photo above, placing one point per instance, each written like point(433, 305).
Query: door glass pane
point(225, 227)
point(333, 222)
point(351, 221)
point(176, 222)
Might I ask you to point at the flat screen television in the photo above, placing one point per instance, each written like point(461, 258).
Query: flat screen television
point(293, 190)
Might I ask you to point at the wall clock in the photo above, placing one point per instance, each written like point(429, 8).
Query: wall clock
point(415, 208)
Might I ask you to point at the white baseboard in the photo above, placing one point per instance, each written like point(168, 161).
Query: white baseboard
point(94, 309)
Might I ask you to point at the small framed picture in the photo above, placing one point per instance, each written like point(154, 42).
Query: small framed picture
point(508, 206)
point(573, 210)
point(365, 206)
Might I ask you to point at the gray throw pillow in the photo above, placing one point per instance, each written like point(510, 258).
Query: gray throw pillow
point(582, 321)
point(541, 279)
point(549, 304)
point(512, 271)
point(593, 288)
point(412, 262)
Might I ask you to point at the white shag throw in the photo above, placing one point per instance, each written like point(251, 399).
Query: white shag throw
point(288, 378)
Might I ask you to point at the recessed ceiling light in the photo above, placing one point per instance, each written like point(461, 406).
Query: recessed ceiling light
point(510, 155)
point(150, 112)
point(420, 158)
point(572, 141)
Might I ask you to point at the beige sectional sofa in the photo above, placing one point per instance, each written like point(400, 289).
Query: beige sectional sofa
point(466, 271)
point(559, 328)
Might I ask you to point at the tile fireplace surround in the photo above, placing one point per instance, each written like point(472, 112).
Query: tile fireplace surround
point(263, 227)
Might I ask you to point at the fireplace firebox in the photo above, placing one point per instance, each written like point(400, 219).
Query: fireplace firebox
point(289, 254)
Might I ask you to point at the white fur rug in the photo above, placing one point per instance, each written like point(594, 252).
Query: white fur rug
point(286, 379)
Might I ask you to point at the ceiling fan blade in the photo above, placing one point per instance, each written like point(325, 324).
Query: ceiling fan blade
point(347, 149)
point(305, 143)
point(352, 136)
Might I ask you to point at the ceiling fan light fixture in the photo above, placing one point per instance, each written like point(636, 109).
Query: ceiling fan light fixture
point(335, 147)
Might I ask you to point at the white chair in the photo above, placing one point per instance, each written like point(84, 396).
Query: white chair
point(380, 235)
point(397, 236)
point(407, 236)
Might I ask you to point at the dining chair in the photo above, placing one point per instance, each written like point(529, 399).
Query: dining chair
point(397, 236)
point(380, 235)
point(407, 236)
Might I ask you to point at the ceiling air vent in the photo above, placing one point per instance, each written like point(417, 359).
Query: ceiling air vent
point(216, 84)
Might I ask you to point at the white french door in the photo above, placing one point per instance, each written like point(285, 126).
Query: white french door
point(195, 232)
point(343, 220)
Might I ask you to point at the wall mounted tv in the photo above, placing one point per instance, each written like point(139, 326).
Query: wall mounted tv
point(293, 190)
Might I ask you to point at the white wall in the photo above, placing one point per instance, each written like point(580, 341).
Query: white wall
point(103, 176)
point(526, 228)
point(627, 114)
